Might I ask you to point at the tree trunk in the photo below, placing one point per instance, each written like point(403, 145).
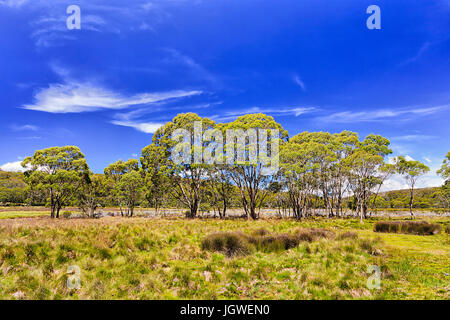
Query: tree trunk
point(411, 204)
point(57, 211)
point(224, 208)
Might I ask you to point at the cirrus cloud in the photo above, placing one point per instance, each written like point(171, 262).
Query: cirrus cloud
point(75, 97)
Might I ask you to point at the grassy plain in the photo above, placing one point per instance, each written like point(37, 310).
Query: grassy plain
point(156, 258)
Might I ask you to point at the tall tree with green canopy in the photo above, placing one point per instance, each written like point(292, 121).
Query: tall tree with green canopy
point(131, 190)
point(58, 172)
point(252, 175)
point(444, 171)
point(183, 145)
point(411, 170)
point(222, 191)
point(365, 163)
point(114, 173)
point(153, 162)
point(344, 144)
point(93, 194)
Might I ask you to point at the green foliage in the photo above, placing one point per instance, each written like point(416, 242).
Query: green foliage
point(114, 174)
point(229, 243)
point(130, 189)
point(93, 194)
point(411, 170)
point(142, 258)
point(57, 173)
point(238, 243)
point(157, 182)
point(411, 227)
point(444, 171)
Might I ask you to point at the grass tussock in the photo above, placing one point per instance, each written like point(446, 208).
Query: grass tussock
point(229, 243)
point(348, 235)
point(142, 258)
point(238, 243)
point(408, 227)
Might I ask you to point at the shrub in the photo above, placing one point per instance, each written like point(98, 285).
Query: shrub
point(408, 227)
point(261, 232)
point(447, 229)
point(275, 242)
point(229, 243)
point(347, 235)
point(313, 234)
point(237, 243)
point(66, 214)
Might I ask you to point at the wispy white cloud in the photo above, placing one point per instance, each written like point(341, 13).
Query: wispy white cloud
point(413, 138)
point(13, 3)
point(146, 127)
point(112, 17)
point(383, 114)
point(294, 111)
point(51, 30)
point(25, 127)
point(299, 82)
point(178, 58)
point(75, 97)
point(425, 46)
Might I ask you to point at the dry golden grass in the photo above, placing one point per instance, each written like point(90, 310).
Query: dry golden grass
point(143, 258)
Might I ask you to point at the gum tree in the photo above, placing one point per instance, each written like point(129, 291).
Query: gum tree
point(365, 164)
point(156, 180)
point(183, 145)
point(114, 173)
point(58, 172)
point(444, 172)
point(252, 176)
point(130, 189)
point(411, 170)
point(93, 193)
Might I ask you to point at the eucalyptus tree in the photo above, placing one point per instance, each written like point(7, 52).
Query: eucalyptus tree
point(252, 142)
point(385, 172)
point(222, 191)
point(300, 163)
point(411, 170)
point(444, 171)
point(156, 180)
point(114, 173)
point(344, 144)
point(57, 172)
point(93, 194)
point(131, 189)
point(365, 163)
point(183, 145)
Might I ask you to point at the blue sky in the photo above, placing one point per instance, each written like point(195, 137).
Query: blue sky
point(313, 65)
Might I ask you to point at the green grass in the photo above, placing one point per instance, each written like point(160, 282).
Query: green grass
point(22, 214)
point(141, 258)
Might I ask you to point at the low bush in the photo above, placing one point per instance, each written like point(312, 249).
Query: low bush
point(407, 227)
point(229, 243)
point(447, 229)
point(237, 243)
point(347, 235)
point(66, 214)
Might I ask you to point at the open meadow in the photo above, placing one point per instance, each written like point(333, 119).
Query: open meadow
point(167, 258)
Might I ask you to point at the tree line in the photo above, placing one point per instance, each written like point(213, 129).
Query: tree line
point(317, 171)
